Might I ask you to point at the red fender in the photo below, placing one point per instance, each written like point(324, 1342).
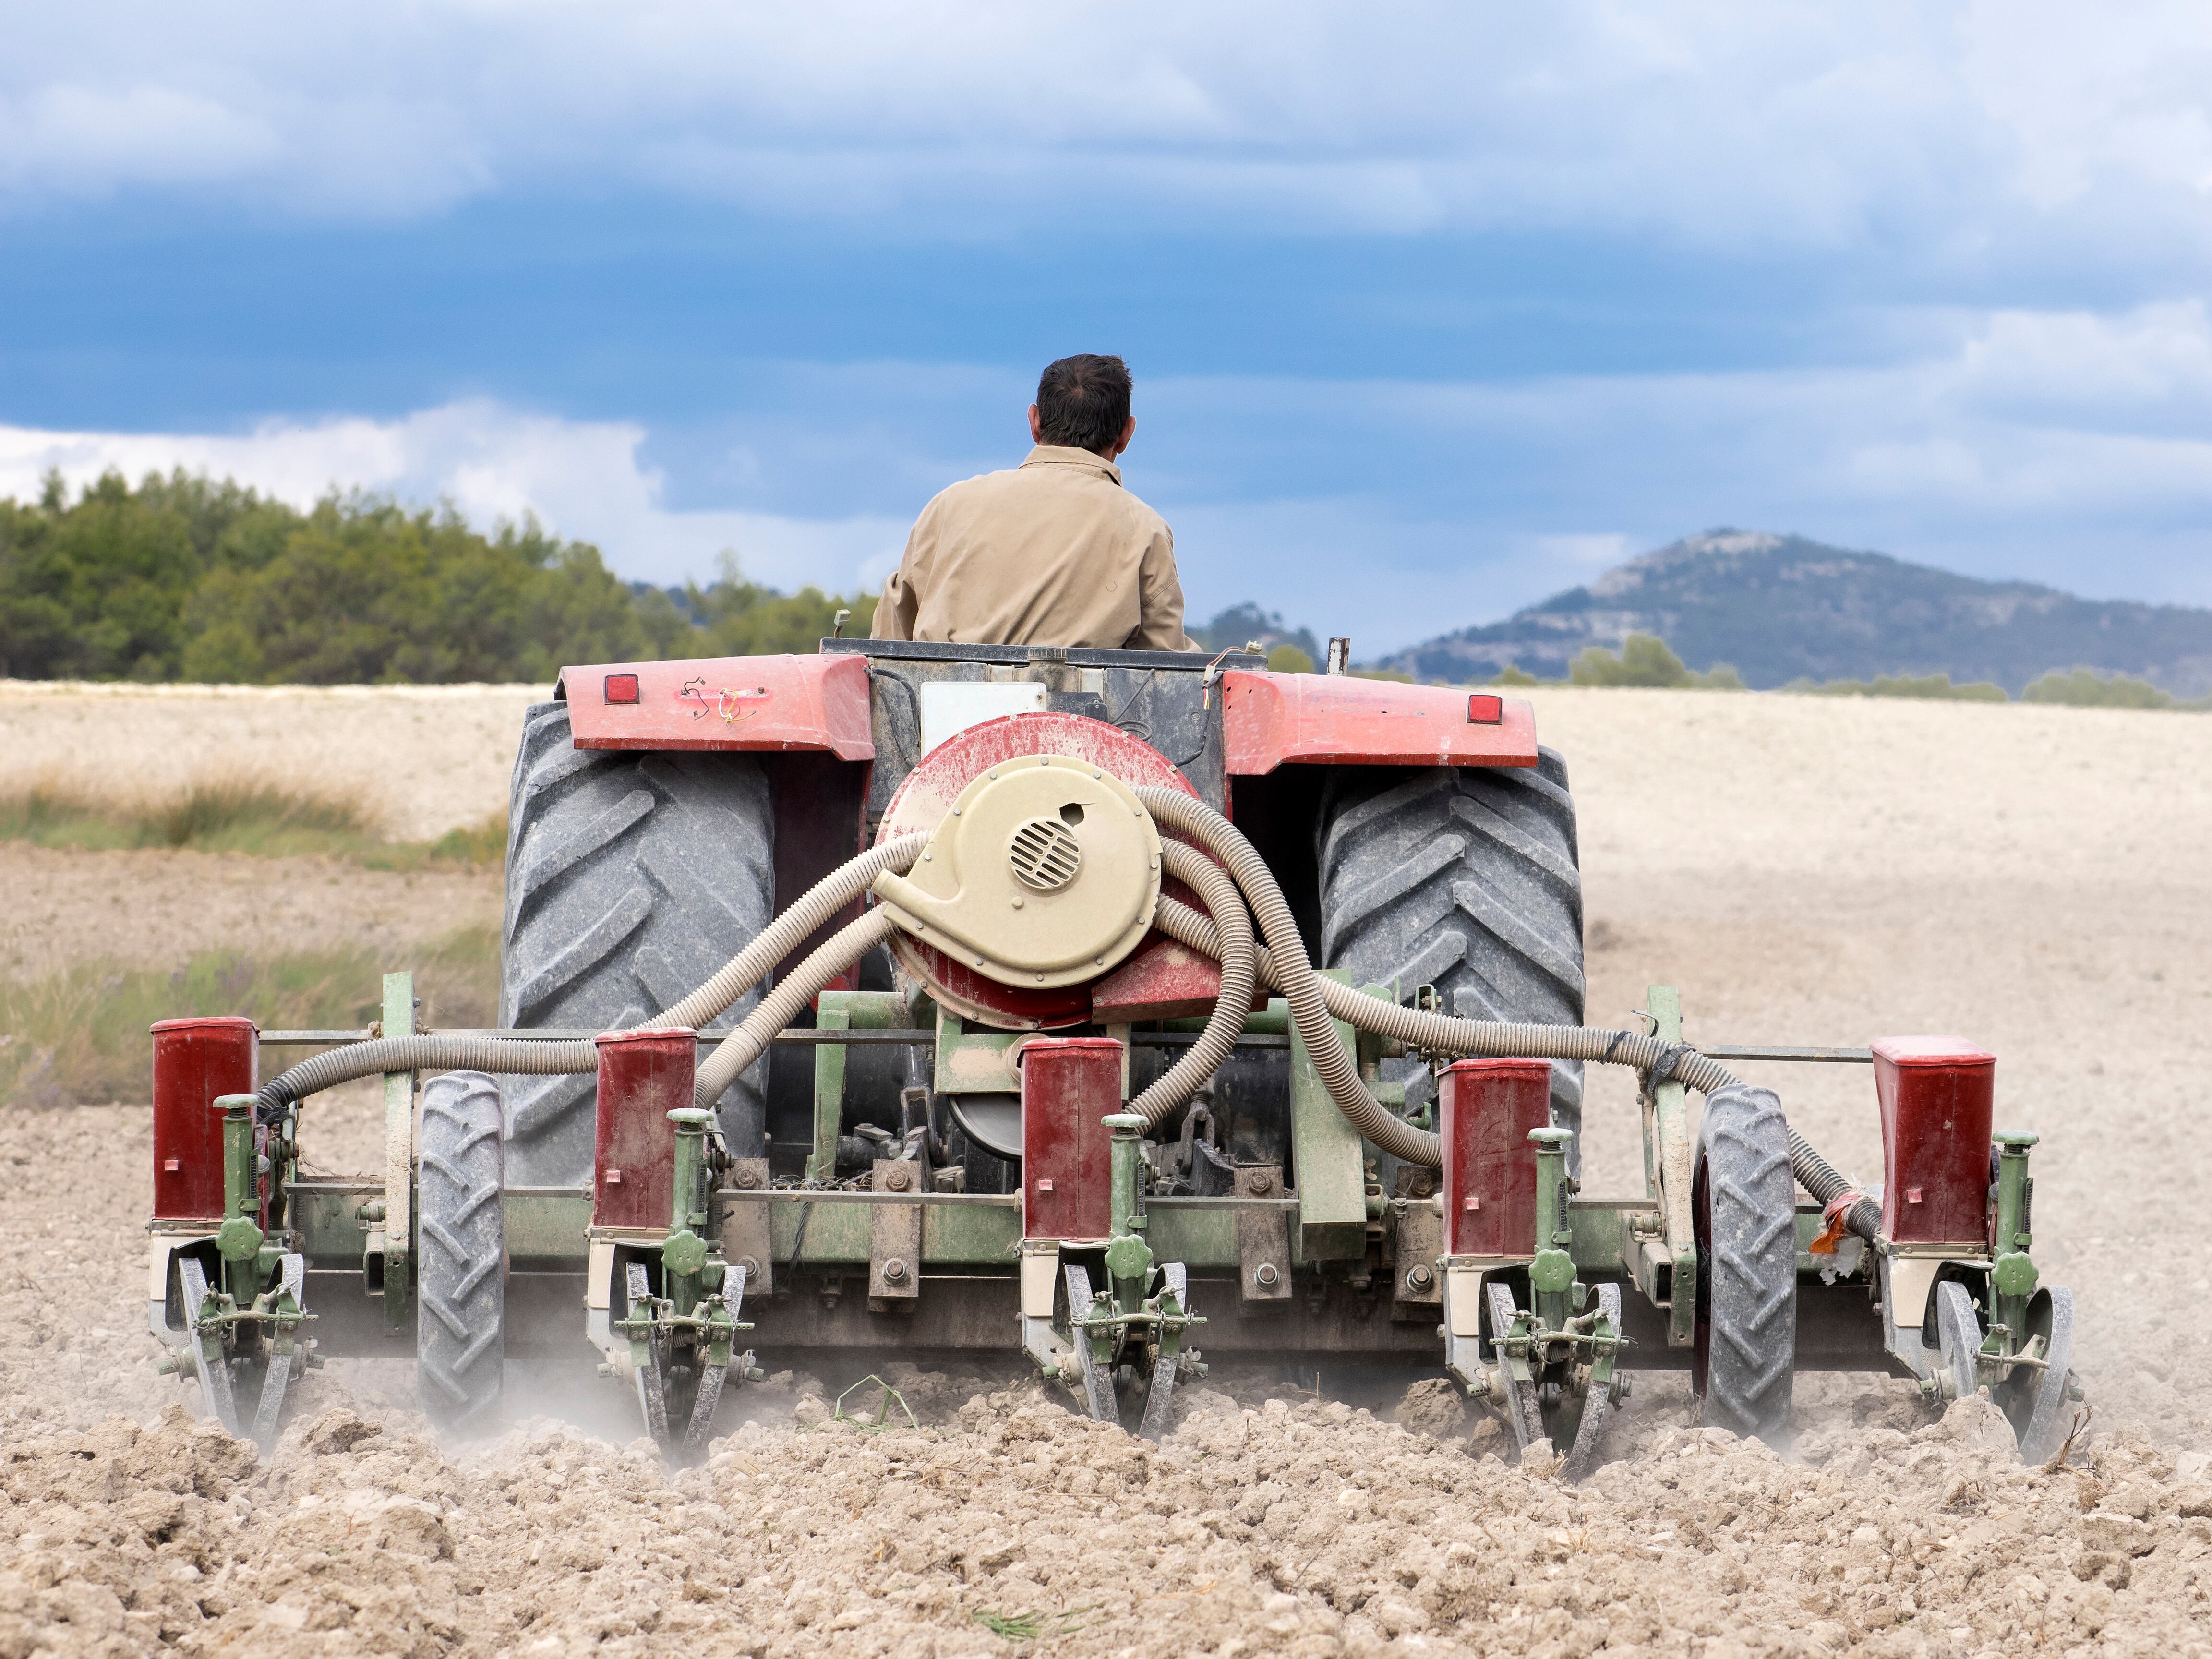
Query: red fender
point(1339, 718)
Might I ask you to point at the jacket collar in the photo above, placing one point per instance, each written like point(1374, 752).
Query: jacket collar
point(1060, 455)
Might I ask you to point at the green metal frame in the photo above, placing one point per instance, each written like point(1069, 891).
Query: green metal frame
point(843, 1010)
point(1554, 1336)
point(1336, 1214)
point(1330, 1160)
point(694, 1300)
point(400, 1173)
point(1660, 1256)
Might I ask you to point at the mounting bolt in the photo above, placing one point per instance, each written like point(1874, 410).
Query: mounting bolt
point(1418, 1278)
point(749, 1179)
point(895, 1272)
point(1258, 1183)
point(750, 1266)
point(899, 1179)
point(1265, 1275)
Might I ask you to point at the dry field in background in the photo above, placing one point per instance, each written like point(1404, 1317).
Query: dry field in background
point(429, 758)
point(1809, 870)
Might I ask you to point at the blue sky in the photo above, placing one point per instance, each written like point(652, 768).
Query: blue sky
point(1434, 309)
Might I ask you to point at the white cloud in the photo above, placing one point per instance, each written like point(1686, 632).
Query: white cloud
point(2066, 448)
point(1587, 553)
point(71, 139)
point(581, 479)
point(1961, 125)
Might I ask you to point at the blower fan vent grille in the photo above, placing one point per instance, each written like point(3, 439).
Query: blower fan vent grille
point(1045, 854)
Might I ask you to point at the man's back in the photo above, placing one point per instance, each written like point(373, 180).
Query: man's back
point(1053, 552)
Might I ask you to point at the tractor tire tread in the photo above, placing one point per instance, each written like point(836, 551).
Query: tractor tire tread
point(1466, 879)
point(631, 878)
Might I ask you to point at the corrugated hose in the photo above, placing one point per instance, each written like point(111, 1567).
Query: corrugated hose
point(1315, 1003)
point(537, 1058)
point(1285, 968)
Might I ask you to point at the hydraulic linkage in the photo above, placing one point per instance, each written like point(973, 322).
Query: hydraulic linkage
point(682, 1304)
point(1133, 1331)
point(245, 1331)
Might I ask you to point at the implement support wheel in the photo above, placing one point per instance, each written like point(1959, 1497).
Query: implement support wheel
point(1744, 1201)
point(460, 1311)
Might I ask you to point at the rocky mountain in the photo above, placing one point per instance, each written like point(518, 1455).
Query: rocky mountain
point(1781, 608)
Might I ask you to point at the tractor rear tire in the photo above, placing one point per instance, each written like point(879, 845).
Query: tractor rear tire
point(1743, 1200)
point(631, 878)
point(1468, 880)
point(460, 1308)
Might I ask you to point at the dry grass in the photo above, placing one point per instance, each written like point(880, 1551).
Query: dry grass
point(233, 814)
point(81, 1036)
point(426, 759)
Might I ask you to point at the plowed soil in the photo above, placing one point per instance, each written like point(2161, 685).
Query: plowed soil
point(66, 906)
point(1803, 870)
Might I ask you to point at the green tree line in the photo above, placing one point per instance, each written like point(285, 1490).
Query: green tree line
point(1645, 660)
point(182, 578)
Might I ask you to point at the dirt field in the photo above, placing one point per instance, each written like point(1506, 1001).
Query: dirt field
point(1804, 870)
point(157, 907)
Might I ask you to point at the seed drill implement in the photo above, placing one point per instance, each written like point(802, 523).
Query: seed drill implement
point(1130, 1011)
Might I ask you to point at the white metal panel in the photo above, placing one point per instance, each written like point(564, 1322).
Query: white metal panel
point(951, 707)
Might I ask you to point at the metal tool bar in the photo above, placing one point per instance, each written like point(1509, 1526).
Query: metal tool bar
point(909, 1037)
point(840, 1195)
point(548, 1034)
point(1184, 1039)
point(368, 1186)
point(976, 1200)
point(1833, 1056)
point(916, 1038)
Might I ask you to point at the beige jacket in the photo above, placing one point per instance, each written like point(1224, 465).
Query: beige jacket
point(1054, 552)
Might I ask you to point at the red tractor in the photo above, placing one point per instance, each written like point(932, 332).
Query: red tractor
point(1112, 1006)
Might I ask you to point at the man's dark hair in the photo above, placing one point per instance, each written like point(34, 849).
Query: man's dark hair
point(1083, 402)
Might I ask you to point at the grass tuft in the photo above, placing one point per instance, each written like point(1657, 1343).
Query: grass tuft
point(1031, 1626)
point(236, 815)
point(477, 843)
point(80, 1036)
point(1014, 1626)
point(233, 814)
